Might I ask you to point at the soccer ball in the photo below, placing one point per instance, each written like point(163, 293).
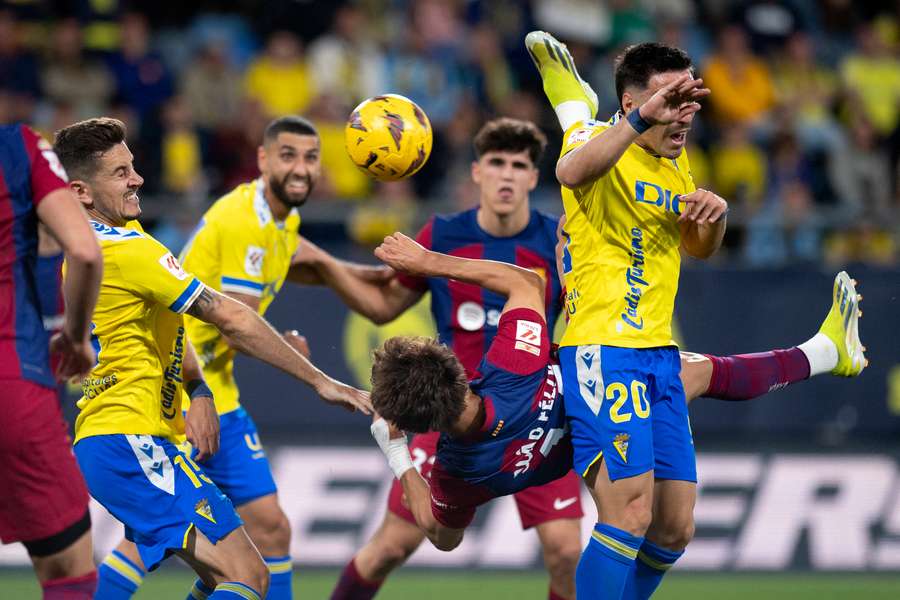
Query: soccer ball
point(388, 137)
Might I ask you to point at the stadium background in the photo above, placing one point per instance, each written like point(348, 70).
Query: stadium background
point(801, 135)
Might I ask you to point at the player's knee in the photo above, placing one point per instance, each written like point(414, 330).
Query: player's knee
point(675, 534)
point(392, 554)
point(561, 556)
point(271, 532)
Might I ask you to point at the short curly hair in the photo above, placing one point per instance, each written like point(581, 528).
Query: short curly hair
point(418, 384)
point(511, 135)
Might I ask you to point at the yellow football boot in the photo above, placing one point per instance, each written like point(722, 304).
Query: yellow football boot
point(562, 83)
point(841, 326)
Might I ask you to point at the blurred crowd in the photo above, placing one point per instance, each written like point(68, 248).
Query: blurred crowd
point(801, 133)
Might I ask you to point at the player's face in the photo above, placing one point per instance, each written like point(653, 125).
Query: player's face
point(290, 166)
point(505, 178)
point(666, 141)
point(112, 191)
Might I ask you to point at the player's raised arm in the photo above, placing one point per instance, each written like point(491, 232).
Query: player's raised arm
point(523, 288)
point(673, 102)
point(372, 291)
point(252, 335)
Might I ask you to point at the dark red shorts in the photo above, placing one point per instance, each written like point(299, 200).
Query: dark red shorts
point(559, 499)
point(43, 490)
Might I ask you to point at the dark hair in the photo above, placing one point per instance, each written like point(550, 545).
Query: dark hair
point(418, 384)
point(289, 124)
point(78, 146)
point(638, 63)
point(510, 135)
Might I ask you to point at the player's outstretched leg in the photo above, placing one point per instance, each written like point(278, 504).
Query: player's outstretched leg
point(572, 97)
point(835, 349)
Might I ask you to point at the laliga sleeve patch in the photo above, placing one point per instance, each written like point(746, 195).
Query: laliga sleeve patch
point(253, 261)
point(528, 331)
point(579, 136)
point(171, 265)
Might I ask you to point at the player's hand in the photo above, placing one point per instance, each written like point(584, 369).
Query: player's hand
point(75, 359)
point(402, 253)
point(341, 394)
point(701, 207)
point(297, 342)
point(674, 101)
point(201, 426)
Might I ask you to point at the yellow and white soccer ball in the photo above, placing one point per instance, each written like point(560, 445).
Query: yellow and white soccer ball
point(388, 137)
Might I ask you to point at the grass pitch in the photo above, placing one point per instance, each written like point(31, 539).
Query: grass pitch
point(442, 585)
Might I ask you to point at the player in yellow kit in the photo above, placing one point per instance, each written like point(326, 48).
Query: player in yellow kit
point(631, 208)
point(131, 413)
point(243, 247)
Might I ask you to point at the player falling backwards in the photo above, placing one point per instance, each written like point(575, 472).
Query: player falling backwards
point(243, 247)
point(502, 227)
point(131, 413)
point(505, 429)
point(631, 207)
point(45, 501)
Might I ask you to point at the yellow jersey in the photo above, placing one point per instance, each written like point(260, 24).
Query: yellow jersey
point(622, 259)
point(139, 336)
point(238, 246)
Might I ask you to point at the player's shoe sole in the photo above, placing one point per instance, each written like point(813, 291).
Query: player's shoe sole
point(841, 326)
point(562, 83)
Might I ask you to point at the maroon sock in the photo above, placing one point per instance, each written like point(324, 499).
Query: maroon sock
point(747, 376)
point(352, 586)
point(71, 588)
point(554, 596)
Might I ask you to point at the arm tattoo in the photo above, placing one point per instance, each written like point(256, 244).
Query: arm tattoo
point(204, 303)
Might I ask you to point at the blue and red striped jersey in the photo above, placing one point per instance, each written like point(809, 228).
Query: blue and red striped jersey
point(29, 171)
point(522, 441)
point(466, 315)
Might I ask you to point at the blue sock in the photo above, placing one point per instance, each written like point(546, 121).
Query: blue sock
point(606, 563)
point(279, 577)
point(230, 590)
point(118, 577)
point(652, 563)
point(200, 591)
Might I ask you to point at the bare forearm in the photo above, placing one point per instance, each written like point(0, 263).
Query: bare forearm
point(368, 299)
point(498, 277)
point(81, 288)
point(191, 369)
point(702, 241)
point(595, 158)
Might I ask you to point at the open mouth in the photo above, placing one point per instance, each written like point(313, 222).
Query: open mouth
point(679, 138)
point(505, 190)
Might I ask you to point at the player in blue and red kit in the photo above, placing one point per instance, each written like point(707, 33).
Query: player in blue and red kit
point(44, 504)
point(500, 433)
point(504, 228)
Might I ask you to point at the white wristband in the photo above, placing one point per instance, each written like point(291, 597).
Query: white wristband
point(394, 450)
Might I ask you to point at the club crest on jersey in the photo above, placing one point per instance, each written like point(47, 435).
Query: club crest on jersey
point(171, 265)
point(253, 261)
point(203, 509)
point(620, 443)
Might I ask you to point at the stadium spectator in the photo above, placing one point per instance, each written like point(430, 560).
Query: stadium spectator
point(279, 79)
point(142, 78)
point(212, 88)
point(739, 168)
point(71, 77)
point(340, 177)
point(744, 92)
point(181, 161)
point(346, 61)
point(860, 172)
point(871, 76)
point(19, 69)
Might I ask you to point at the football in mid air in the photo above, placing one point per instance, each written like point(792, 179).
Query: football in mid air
point(388, 137)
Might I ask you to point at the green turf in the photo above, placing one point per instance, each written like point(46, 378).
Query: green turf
point(419, 585)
